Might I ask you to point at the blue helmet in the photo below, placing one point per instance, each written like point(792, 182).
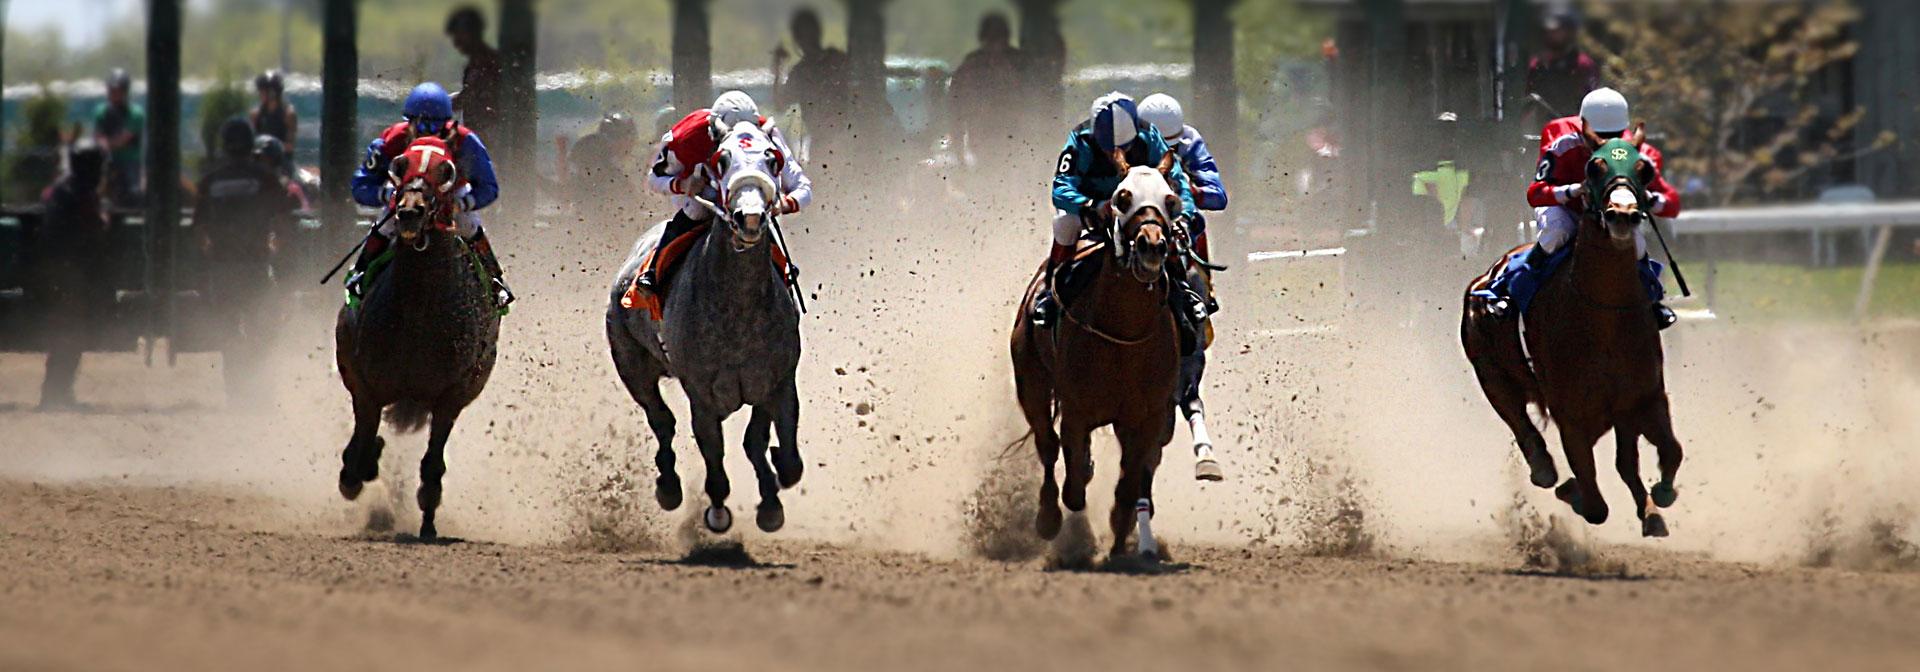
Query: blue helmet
point(1115, 121)
point(428, 101)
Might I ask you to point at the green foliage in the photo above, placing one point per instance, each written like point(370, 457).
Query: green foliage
point(224, 100)
point(1735, 89)
point(33, 152)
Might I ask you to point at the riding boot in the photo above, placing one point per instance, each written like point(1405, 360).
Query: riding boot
point(376, 244)
point(648, 280)
point(1045, 305)
point(1503, 306)
point(1192, 306)
point(502, 295)
point(1656, 291)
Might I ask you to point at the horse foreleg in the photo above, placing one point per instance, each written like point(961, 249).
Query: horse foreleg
point(1076, 440)
point(713, 445)
point(360, 461)
point(1626, 460)
point(771, 516)
point(641, 374)
point(433, 465)
point(786, 422)
point(1192, 369)
point(1133, 495)
point(1582, 492)
point(1659, 430)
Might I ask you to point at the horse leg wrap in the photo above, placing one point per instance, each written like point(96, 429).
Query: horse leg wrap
point(1143, 515)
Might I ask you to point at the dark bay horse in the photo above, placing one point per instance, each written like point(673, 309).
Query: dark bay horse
point(1596, 361)
point(423, 340)
point(729, 332)
point(1114, 359)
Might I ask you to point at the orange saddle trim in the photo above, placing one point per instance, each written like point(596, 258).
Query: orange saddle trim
point(663, 259)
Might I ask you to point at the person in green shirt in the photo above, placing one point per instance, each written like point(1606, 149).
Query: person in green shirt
point(120, 126)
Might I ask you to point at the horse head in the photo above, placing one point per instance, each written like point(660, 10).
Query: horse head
point(424, 178)
point(1617, 179)
point(1142, 209)
point(746, 165)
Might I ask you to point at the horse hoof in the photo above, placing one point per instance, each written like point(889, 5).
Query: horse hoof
point(1664, 494)
point(1048, 522)
point(788, 466)
point(719, 519)
point(666, 490)
point(428, 533)
point(1208, 469)
point(1654, 525)
point(771, 518)
point(349, 486)
point(1595, 515)
point(1543, 472)
point(1569, 492)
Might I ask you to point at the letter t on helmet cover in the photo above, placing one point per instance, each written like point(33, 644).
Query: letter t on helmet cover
point(1606, 110)
point(1164, 113)
point(1115, 121)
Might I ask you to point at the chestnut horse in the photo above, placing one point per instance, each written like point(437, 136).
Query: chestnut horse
point(1596, 357)
point(1114, 359)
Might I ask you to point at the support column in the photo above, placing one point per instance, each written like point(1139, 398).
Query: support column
point(1216, 94)
point(867, 56)
point(163, 154)
point(692, 56)
point(1386, 107)
point(520, 109)
point(339, 119)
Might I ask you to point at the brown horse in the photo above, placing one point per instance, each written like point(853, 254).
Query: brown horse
point(1596, 357)
point(1113, 360)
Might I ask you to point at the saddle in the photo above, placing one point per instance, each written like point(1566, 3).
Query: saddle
point(669, 262)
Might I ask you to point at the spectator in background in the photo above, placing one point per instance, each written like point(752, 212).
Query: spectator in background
point(985, 87)
point(1561, 75)
point(820, 82)
point(478, 101)
point(71, 269)
point(119, 127)
point(274, 117)
point(600, 161)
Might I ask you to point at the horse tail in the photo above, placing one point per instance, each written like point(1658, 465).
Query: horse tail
point(1008, 452)
point(407, 417)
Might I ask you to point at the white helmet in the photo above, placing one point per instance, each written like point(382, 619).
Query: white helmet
point(731, 108)
point(1606, 111)
point(1164, 113)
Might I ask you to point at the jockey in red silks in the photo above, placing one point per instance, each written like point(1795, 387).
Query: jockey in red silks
point(1557, 196)
point(683, 169)
point(429, 113)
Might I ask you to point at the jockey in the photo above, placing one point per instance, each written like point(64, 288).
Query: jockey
point(1086, 175)
point(1557, 195)
point(429, 113)
point(682, 169)
point(1203, 174)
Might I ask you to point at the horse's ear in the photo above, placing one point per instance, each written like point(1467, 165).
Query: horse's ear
point(1119, 157)
point(1166, 164)
point(1645, 171)
point(1586, 131)
point(1639, 134)
point(1123, 201)
point(398, 167)
point(443, 174)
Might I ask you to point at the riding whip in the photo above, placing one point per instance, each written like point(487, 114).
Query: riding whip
point(1677, 275)
point(356, 246)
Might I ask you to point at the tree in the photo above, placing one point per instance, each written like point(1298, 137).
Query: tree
point(1736, 88)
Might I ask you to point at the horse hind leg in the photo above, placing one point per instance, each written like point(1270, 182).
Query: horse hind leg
point(1509, 400)
point(1036, 404)
point(1192, 369)
point(433, 466)
point(1626, 460)
point(641, 374)
point(360, 461)
point(770, 515)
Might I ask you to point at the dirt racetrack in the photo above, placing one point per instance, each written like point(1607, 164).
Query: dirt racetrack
point(1374, 518)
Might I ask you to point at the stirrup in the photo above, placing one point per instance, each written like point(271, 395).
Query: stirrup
point(1500, 308)
point(502, 296)
point(1663, 316)
point(1042, 314)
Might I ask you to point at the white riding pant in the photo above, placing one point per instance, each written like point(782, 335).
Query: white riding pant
point(1558, 223)
point(466, 225)
point(1066, 227)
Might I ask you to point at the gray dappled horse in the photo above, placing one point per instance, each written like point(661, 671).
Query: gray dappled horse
point(730, 333)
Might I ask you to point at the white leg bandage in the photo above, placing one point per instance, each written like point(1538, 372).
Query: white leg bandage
point(1143, 513)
